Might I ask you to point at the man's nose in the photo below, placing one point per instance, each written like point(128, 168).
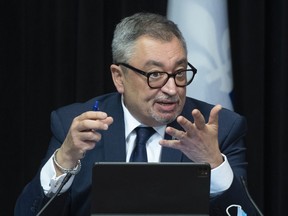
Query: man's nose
point(170, 86)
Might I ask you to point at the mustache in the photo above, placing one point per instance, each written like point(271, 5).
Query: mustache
point(167, 99)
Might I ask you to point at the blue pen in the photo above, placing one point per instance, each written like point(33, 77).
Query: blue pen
point(96, 106)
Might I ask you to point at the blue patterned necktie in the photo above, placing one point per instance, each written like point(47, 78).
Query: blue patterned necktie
point(139, 153)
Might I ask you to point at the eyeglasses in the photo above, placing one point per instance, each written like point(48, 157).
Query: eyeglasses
point(158, 79)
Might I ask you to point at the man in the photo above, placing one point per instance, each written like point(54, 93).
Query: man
point(150, 72)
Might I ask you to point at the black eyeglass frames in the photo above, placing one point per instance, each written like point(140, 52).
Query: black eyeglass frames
point(158, 79)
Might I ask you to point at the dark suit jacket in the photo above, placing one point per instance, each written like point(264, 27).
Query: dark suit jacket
point(76, 201)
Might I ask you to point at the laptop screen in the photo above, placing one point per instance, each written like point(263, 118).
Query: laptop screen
point(150, 189)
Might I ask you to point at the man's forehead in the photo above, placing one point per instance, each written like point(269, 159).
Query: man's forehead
point(151, 62)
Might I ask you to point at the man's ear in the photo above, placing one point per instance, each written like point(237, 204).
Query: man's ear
point(117, 76)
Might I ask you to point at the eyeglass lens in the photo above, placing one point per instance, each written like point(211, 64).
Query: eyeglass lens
point(159, 79)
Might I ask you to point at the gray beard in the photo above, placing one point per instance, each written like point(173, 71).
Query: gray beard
point(162, 120)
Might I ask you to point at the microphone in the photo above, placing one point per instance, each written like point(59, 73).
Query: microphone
point(249, 196)
point(65, 180)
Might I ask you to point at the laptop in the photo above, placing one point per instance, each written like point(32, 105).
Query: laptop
point(150, 189)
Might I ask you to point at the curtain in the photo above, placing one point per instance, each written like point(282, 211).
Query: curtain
point(259, 32)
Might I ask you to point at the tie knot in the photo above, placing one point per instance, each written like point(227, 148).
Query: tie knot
point(143, 134)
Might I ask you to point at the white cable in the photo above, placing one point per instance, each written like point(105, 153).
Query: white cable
point(233, 205)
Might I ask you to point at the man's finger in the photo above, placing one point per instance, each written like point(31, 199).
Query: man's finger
point(199, 119)
point(213, 118)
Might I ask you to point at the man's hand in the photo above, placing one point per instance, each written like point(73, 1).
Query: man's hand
point(82, 136)
point(199, 140)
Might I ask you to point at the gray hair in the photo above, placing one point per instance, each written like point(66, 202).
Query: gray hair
point(131, 28)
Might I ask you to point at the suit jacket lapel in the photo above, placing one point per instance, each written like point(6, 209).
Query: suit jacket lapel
point(114, 145)
point(170, 154)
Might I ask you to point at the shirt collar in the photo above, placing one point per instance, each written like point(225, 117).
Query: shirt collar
point(131, 123)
